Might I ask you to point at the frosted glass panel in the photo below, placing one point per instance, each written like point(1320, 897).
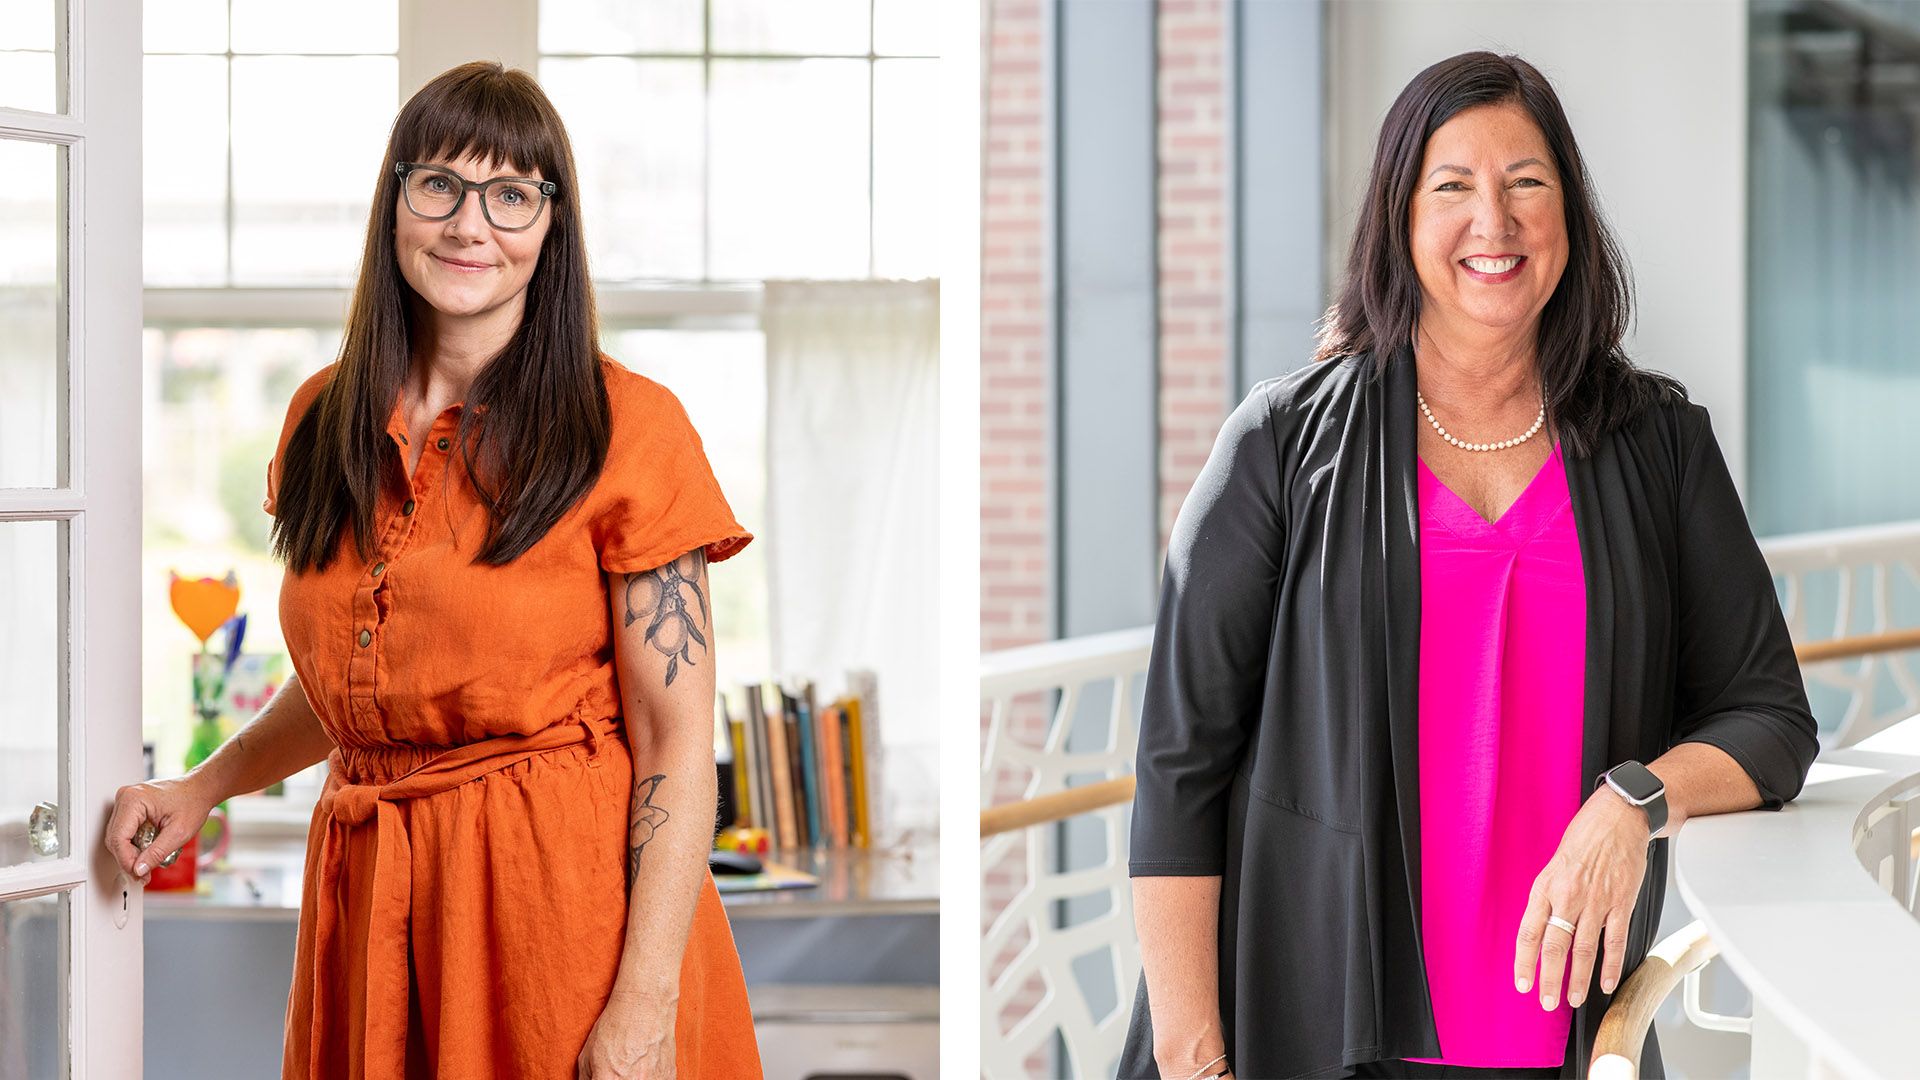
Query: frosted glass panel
point(185, 26)
point(339, 26)
point(789, 142)
point(791, 26)
point(32, 314)
point(31, 669)
point(184, 168)
point(621, 26)
point(29, 53)
point(909, 27)
point(305, 163)
point(637, 128)
point(906, 168)
point(34, 987)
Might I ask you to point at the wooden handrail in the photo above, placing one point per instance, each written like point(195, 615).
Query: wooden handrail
point(1860, 645)
point(1056, 806)
point(1623, 1030)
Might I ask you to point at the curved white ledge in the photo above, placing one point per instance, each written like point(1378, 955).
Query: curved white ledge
point(1824, 948)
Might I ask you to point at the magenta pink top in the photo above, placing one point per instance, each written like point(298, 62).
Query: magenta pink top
point(1503, 618)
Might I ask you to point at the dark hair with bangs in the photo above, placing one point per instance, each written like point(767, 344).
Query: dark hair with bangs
point(1590, 385)
point(547, 423)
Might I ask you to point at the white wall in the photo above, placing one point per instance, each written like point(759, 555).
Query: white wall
point(1656, 94)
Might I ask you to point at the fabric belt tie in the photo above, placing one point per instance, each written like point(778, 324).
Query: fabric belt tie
point(389, 919)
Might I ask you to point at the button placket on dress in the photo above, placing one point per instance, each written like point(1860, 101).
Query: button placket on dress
point(402, 519)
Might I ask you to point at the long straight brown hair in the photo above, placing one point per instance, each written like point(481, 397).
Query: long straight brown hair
point(1591, 386)
point(546, 424)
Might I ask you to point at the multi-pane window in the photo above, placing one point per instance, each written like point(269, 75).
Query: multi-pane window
point(730, 140)
point(265, 124)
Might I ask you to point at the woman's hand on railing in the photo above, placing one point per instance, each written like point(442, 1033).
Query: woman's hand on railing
point(1592, 881)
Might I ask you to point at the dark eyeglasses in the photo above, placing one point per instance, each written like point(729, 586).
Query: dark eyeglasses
point(434, 192)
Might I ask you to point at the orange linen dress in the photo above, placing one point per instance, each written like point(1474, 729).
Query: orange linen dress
point(465, 901)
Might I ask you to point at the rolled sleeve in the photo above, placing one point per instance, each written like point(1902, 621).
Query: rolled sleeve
point(1211, 643)
point(1738, 686)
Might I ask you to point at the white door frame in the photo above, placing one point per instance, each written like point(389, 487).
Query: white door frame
point(101, 506)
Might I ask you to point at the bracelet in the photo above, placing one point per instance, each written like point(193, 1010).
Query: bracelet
point(1197, 1074)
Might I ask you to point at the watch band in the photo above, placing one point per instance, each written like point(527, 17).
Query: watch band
point(1654, 802)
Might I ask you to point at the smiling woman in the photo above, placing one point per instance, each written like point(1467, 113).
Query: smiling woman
point(1428, 693)
point(468, 501)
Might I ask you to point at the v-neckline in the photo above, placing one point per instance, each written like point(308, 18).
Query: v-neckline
point(1463, 518)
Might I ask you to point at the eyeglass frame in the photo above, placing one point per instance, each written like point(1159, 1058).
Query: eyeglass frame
point(547, 188)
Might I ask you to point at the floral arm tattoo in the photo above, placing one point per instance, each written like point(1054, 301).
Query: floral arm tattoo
point(666, 597)
point(644, 822)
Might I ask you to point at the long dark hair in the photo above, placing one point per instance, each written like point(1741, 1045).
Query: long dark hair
point(1590, 385)
point(547, 423)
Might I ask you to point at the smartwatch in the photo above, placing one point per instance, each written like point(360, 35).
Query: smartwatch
point(1636, 783)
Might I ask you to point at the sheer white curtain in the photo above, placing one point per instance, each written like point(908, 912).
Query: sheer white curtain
point(852, 445)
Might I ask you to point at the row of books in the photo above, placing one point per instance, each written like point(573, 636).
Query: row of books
point(801, 769)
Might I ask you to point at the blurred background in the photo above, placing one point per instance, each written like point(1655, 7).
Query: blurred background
point(1169, 193)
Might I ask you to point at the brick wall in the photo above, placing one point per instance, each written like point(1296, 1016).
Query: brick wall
point(1192, 199)
point(1016, 533)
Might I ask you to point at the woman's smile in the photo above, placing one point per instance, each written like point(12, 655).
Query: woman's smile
point(1493, 270)
point(459, 266)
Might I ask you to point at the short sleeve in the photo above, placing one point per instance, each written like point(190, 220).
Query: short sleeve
point(660, 497)
point(1211, 641)
point(303, 399)
point(1739, 685)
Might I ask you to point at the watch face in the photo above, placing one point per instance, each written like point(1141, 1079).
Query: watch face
point(1636, 780)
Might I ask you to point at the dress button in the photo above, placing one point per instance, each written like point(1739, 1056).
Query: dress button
point(407, 509)
point(365, 636)
point(378, 567)
point(442, 444)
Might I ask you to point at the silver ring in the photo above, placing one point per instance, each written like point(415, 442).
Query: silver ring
point(1563, 924)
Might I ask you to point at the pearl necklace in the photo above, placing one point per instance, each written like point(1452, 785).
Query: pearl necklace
point(1502, 445)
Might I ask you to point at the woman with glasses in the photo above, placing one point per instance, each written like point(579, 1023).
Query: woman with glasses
point(496, 604)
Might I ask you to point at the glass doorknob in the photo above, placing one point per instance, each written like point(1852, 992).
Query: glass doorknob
point(43, 829)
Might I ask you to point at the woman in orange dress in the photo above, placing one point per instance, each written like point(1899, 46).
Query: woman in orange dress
point(496, 604)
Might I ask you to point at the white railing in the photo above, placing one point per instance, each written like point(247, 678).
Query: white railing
point(1841, 563)
point(1048, 755)
point(1060, 711)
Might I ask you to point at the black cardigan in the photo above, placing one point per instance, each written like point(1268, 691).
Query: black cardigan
point(1279, 746)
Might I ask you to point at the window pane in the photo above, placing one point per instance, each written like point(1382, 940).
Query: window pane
point(909, 27)
point(305, 163)
point(906, 168)
point(1833, 262)
point(186, 26)
point(636, 127)
point(34, 985)
point(214, 399)
point(620, 26)
point(789, 142)
point(721, 378)
point(31, 594)
point(339, 26)
point(790, 26)
point(32, 314)
point(27, 70)
point(184, 169)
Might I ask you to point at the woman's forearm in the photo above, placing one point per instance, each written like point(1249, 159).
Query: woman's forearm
point(280, 740)
point(1700, 779)
point(675, 794)
point(1178, 923)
